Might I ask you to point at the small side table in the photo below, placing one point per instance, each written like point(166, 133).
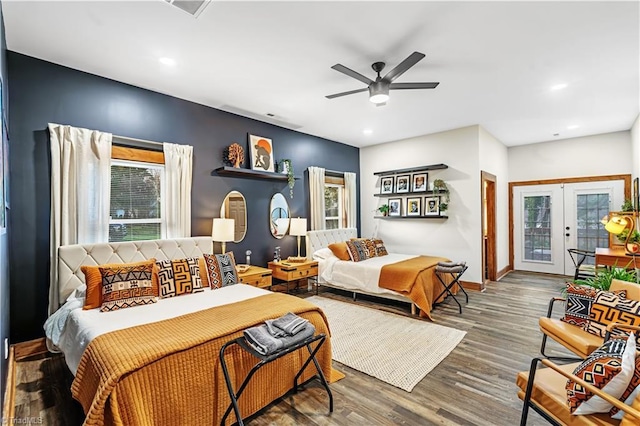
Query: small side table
point(294, 271)
point(256, 276)
point(265, 359)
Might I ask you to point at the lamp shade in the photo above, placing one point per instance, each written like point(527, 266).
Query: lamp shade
point(223, 230)
point(616, 225)
point(298, 227)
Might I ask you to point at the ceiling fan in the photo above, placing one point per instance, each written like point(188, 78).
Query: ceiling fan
point(379, 89)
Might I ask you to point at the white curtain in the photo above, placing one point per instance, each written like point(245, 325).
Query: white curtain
point(178, 161)
point(350, 199)
point(80, 192)
point(316, 195)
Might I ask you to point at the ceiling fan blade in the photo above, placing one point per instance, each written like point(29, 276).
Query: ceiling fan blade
point(403, 66)
point(351, 92)
point(352, 73)
point(400, 86)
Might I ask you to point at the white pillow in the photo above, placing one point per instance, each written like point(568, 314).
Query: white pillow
point(323, 253)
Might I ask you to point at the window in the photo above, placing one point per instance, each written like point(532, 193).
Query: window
point(333, 211)
point(136, 201)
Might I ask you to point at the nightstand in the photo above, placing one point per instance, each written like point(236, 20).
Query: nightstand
point(256, 276)
point(294, 272)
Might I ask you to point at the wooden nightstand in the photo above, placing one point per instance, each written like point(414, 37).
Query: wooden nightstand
point(256, 276)
point(294, 272)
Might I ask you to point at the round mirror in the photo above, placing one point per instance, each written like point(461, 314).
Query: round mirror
point(234, 207)
point(279, 216)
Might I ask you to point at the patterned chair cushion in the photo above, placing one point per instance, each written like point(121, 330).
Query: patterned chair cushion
point(381, 250)
point(179, 276)
point(359, 250)
point(608, 308)
point(578, 304)
point(128, 285)
point(609, 368)
point(221, 269)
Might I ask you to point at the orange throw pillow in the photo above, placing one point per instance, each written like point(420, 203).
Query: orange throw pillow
point(340, 250)
point(93, 280)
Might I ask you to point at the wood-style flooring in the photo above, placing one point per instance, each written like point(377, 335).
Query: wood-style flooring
point(474, 385)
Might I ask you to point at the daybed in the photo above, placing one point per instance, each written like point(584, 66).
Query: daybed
point(159, 363)
point(363, 277)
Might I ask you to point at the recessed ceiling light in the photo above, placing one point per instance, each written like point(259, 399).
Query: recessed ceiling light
point(367, 131)
point(167, 61)
point(572, 127)
point(559, 86)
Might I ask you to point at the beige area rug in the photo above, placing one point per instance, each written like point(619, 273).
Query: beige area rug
point(392, 348)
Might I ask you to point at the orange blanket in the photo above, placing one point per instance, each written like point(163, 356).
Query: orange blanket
point(169, 372)
point(415, 278)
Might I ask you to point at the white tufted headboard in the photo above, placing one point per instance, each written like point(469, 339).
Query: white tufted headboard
point(72, 257)
point(319, 239)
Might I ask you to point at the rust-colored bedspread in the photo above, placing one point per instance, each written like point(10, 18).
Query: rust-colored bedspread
point(169, 372)
point(416, 279)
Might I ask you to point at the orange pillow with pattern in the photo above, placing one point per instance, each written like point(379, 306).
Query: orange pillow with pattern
point(93, 280)
point(125, 286)
point(340, 250)
point(608, 308)
point(179, 276)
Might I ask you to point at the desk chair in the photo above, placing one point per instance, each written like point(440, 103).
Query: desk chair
point(582, 270)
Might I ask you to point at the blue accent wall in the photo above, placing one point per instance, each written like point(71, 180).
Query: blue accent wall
point(42, 92)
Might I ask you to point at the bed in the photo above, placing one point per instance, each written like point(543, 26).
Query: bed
point(159, 363)
point(364, 277)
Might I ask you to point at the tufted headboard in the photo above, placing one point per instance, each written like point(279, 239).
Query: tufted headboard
point(72, 257)
point(319, 239)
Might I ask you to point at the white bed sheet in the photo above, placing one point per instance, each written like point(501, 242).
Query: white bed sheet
point(358, 276)
point(82, 326)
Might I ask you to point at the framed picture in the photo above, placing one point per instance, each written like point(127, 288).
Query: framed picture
point(413, 206)
point(419, 182)
point(395, 206)
point(261, 153)
point(636, 195)
point(431, 206)
point(386, 185)
point(402, 183)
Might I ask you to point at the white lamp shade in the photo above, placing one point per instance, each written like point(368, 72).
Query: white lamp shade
point(298, 227)
point(223, 230)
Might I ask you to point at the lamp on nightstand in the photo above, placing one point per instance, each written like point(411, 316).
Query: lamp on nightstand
point(297, 228)
point(223, 231)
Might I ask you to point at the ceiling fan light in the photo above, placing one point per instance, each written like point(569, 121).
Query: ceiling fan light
point(380, 98)
point(378, 93)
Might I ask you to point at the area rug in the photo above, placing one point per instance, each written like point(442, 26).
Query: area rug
point(398, 350)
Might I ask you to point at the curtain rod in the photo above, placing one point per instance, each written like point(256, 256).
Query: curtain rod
point(137, 143)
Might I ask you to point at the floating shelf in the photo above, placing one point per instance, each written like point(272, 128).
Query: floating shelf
point(412, 170)
point(405, 194)
point(412, 217)
point(248, 173)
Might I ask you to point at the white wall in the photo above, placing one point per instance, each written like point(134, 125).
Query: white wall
point(494, 159)
point(635, 147)
point(577, 157)
point(458, 237)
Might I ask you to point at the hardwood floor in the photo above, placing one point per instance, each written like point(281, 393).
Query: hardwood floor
point(474, 385)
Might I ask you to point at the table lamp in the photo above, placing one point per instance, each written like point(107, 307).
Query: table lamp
point(617, 224)
point(223, 231)
point(297, 228)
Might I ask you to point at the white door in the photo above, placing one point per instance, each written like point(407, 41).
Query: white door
point(549, 219)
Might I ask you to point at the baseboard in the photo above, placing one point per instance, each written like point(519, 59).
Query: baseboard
point(9, 407)
point(470, 285)
point(504, 271)
point(30, 348)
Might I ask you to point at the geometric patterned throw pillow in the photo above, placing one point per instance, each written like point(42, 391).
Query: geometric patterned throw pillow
point(124, 286)
point(221, 269)
point(359, 250)
point(609, 368)
point(608, 308)
point(578, 304)
point(381, 250)
point(179, 276)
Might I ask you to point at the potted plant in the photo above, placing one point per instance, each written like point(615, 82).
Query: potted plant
point(604, 276)
point(384, 209)
point(627, 206)
point(440, 187)
point(286, 167)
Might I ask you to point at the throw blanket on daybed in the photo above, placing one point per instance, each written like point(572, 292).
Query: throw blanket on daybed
point(416, 279)
point(169, 373)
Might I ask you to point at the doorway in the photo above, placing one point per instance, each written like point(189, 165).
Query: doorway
point(551, 218)
point(489, 249)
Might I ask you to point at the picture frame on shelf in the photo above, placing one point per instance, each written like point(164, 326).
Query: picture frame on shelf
point(413, 206)
point(261, 153)
point(419, 182)
point(402, 183)
point(386, 185)
point(431, 206)
point(395, 207)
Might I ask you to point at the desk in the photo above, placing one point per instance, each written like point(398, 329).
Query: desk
point(615, 257)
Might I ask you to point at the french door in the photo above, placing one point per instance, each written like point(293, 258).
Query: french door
point(549, 219)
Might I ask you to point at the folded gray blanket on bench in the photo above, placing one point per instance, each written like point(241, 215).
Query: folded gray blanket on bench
point(264, 343)
point(451, 264)
point(451, 269)
point(290, 323)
